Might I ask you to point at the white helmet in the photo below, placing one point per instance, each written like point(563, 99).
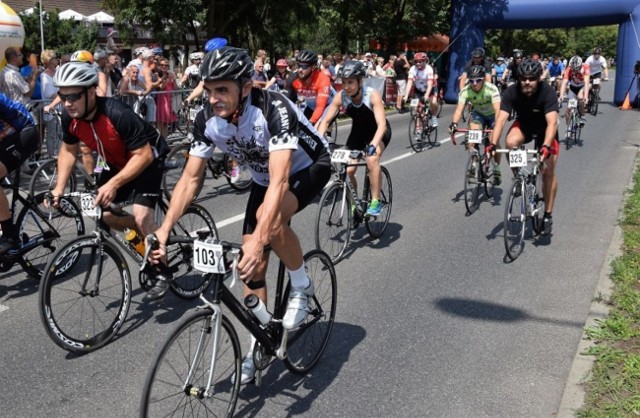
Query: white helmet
point(76, 74)
point(196, 56)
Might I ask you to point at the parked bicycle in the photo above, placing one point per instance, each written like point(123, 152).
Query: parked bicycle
point(421, 129)
point(525, 202)
point(478, 173)
point(341, 209)
point(220, 166)
point(197, 371)
point(574, 128)
point(85, 292)
point(42, 230)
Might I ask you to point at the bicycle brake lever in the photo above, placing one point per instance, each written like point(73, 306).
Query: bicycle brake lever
point(152, 243)
point(234, 267)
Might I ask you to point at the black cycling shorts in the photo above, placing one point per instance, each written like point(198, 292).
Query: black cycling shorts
point(305, 185)
point(537, 135)
point(145, 188)
point(357, 141)
point(17, 147)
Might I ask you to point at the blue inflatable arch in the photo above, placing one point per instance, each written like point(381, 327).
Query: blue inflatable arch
point(472, 17)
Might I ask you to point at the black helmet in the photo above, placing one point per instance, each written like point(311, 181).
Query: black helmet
point(476, 71)
point(530, 68)
point(477, 53)
point(352, 69)
point(517, 53)
point(227, 63)
point(307, 56)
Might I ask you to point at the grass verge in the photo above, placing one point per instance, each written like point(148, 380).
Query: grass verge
point(613, 387)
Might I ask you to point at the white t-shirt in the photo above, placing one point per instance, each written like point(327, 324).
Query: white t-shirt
point(596, 65)
point(421, 77)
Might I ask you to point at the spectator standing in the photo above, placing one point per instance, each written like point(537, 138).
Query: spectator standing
point(164, 113)
point(50, 61)
point(259, 76)
point(12, 83)
point(401, 67)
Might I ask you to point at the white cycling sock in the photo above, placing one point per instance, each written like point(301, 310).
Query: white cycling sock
point(252, 343)
point(299, 277)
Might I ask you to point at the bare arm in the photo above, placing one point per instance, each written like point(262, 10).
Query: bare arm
point(501, 120)
point(66, 160)
point(381, 120)
point(334, 108)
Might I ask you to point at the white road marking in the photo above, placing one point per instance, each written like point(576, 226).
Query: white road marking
point(3, 308)
point(240, 217)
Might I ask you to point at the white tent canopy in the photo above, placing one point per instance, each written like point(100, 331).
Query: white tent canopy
point(71, 14)
point(101, 17)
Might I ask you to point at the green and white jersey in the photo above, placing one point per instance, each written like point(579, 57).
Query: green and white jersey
point(483, 100)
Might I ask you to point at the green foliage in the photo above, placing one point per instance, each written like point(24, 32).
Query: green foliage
point(59, 34)
point(565, 42)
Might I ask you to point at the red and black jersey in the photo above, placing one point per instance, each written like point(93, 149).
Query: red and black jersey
point(119, 129)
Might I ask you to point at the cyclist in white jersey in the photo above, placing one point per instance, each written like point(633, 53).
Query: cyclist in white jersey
point(597, 64)
point(191, 76)
point(421, 78)
point(289, 162)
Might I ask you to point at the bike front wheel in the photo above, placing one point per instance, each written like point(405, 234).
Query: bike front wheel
point(189, 283)
point(472, 184)
point(174, 166)
point(45, 178)
point(85, 294)
point(307, 343)
point(376, 225)
point(177, 383)
point(416, 139)
point(515, 220)
point(333, 222)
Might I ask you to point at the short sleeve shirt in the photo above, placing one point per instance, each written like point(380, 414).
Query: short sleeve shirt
point(421, 77)
point(532, 110)
point(483, 100)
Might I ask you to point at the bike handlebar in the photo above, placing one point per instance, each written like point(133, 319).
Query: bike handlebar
point(465, 130)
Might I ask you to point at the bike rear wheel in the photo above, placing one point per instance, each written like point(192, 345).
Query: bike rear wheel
point(44, 230)
point(307, 343)
point(53, 135)
point(45, 177)
point(189, 283)
point(333, 222)
point(186, 354)
point(177, 159)
point(472, 183)
point(538, 207)
point(515, 220)
point(376, 225)
point(85, 294)
point(416, 139)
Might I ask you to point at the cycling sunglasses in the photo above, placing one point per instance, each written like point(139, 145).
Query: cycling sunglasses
point(304, 66)
point(476, 80)
point(71, 98)
point(523, 79)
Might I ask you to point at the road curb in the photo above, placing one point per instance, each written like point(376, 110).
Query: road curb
point(574, 392)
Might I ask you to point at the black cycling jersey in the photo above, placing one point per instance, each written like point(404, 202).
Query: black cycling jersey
point(364, 121)
point(486, 64)
point(118, 128)
point(531, 111)
point(513, 71)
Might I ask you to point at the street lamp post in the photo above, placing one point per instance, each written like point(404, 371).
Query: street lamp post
point(41, 27)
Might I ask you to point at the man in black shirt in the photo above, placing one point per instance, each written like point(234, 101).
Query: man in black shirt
point(477, 58)
point(536, 105)
point(401, 67)
point(511, 74)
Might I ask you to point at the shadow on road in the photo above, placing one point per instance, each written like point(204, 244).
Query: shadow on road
point(487, 311)
point(300, 391)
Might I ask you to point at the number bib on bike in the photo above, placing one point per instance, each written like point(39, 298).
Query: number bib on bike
point(474, 136)
point(341, 156)
point(87, 204)
point(572, 103)
point(414, 103)
point(518, 158)
point(207, 257)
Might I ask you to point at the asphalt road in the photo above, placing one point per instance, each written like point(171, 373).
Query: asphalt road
point(431, 320)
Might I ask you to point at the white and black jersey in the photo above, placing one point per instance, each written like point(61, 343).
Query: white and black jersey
point(269, 122)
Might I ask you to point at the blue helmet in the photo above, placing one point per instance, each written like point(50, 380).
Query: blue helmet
point(157, 51)
point(215, 43)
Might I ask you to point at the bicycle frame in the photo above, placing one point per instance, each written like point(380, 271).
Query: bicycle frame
point(350, 194)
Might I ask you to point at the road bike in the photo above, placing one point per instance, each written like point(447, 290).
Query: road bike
point(85, 292)
point(219, 166)
point(574, 128)
point(525, 201)
point(421, 129)
point(341, 209)
point(186, 116)
point(42, 230)
point(197, 371)
point(478, 173)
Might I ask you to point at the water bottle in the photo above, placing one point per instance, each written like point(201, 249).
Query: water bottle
point(134, 239)
point(253, 303)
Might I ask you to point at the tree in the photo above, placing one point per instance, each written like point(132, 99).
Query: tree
point(59, 34)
